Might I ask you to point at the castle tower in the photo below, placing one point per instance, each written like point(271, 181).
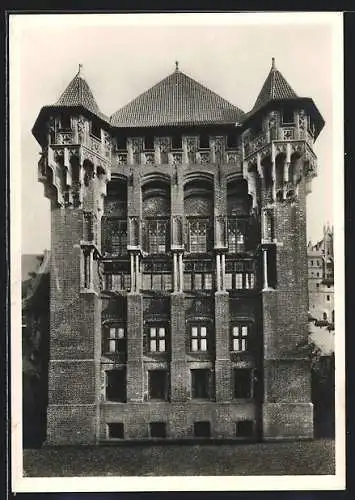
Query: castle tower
point(279, 163)
point(179, 269)
point(74, 168)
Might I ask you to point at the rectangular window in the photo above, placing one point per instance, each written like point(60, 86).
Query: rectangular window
point(115, 430)
point(114, 236)
point(198, 281)
point(116, 340)
point(156, 282)
point(240, 338)
point(240, 275)
point(242, 383)
point(202, 429)
point(176, 142)
point(232, 141)
point(116, 385)
point(208, 281)
point(157, 429)
point(158, 384)
point(149, 142)
point(117, 282)
point(229, 281)
point(287, 116)
point(204, 141)
point(157, 236)
point(237, 229)
point(198, 336)
point(65, 122)
point(167, 282)
point(157, 339)
point(187, 281)
point(96, 130)
point(239, 281)
point(198, 236)
point(200, 384)
point(198, 275)
point(156, 276)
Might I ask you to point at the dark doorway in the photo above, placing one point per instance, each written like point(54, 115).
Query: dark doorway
point(116, 385)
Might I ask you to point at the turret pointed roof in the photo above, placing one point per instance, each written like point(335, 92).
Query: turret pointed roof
point(176, 100)
point(78, 93)
point(275, 88)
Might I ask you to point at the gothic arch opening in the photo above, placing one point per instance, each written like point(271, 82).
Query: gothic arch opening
point(114, 221)
point(239, 204)
point(156, 216)
point(199, 211)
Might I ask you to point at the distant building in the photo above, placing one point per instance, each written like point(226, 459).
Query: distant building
point(178, 270)
point(321, 279)
point(35, 346)
point(322, 331)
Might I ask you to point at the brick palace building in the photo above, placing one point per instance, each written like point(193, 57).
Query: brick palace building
point(178, 270)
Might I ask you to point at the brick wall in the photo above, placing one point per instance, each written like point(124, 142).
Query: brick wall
point(179, 417)
point(75, 338)
point(285, 326)
point(134, 347)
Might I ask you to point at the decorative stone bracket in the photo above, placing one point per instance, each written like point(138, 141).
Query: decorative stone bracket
point(72, 175)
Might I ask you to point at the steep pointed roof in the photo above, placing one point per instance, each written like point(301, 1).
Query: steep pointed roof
point(78, 93)
point(275, 88)
point(176, 100)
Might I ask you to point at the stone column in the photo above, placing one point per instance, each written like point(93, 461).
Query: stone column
point(265, 272)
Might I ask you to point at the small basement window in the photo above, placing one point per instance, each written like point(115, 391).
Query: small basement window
point(244, 428)
point(202, 429)
point(115, 430)
point(157, 429)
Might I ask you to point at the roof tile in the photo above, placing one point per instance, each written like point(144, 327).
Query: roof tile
point(78, 93)
point(176, 100)
point(275, 87)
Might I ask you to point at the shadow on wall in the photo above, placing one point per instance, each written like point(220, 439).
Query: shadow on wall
point(34, 412)
point(323, 396)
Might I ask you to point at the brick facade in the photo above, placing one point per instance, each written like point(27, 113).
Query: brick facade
point(186, 321)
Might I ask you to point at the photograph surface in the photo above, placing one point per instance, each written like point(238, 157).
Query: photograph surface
point(177, 240)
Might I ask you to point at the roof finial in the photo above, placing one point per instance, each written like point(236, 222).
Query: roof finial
point(80, 69)
point(273, 63)
point(176, 65)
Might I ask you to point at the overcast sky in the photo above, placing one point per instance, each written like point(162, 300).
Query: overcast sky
point(121, 61)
